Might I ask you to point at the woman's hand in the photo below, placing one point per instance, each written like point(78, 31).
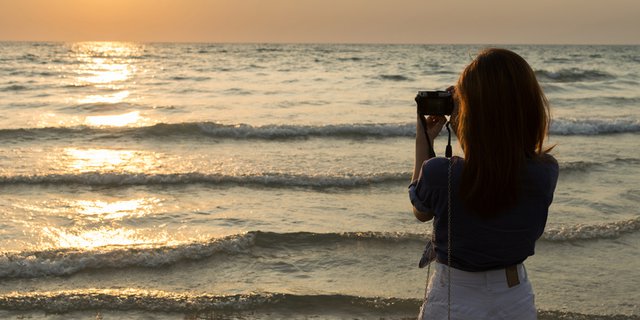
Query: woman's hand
point(434, 126)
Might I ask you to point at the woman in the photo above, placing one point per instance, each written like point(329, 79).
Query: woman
point(500, 191)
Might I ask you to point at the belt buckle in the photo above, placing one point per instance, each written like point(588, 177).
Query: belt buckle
point(512, 276)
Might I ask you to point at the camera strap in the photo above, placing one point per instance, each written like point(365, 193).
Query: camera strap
point(448, 154)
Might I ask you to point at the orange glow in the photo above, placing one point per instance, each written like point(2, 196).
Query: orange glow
point(351, 21)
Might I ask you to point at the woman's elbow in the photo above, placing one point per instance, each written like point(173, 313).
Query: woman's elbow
point(422, 216)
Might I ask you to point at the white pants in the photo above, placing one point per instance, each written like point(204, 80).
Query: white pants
point(478, 295)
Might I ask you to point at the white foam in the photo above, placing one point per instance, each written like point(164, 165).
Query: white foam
point(592, 231)
point(58, 262)
point(266, 179)
point(163, 301)
point(593, 126)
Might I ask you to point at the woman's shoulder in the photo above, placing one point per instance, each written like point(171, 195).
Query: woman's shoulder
point(544, 169)
point(546, 161)
point(437, 169)
point(547, 158)
point(439, 163)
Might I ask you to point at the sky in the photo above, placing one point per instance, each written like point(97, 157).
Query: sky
point(324, 21)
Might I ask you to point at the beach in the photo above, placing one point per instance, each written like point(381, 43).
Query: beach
point(263, 181)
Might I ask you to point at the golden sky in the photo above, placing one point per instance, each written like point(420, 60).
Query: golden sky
point(341, 21)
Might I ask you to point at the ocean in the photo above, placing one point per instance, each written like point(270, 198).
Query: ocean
point(269, 181)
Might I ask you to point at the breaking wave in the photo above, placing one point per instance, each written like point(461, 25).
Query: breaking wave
point(260, 180)
point(590, 127)
point(267, 180)
point(394, 77)
point(284, 132)
point(67, 261)
point(62, 262)
point(585, 166)
point(257, 305)
point(592, 231)
point(573, 75)
point(162, 301)
point(219, 131)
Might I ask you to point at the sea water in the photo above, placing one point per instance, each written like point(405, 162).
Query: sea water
point(214, 181)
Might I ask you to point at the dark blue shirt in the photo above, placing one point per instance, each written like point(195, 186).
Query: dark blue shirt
point(478, 243)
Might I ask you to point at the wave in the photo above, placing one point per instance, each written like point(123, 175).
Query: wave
point(584, 166)
point(270, 49)
point(592, 231)
point(267, 239)
point(29, 57)
point(577, 166)
point(267, 180)
point(594, 126)
point(347, 58)
point(163, 301)
point(77, 85)
point(395, 77)
point(101, 107)
point(182, 78)
point(573, 75)
point(555, 234)
point(285, 132)
point(221, 131)
point(613, 101)
point(256, 304)
point(14, 87)
point(214, 130)
point(63, 262)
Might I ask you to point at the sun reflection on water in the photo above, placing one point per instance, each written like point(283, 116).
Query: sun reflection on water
point(107, 222)
point(101, 237)
point(105, 98)
point(104, 63)
point(118, 120)
point(103, 85)
point(115, 210)
point(102, 71)
point(107, 70)
point(88, 160)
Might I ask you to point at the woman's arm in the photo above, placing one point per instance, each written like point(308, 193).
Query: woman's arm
point(434, 126)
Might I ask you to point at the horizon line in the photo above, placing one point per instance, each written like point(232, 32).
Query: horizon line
point(327, 43)
point(333, 42)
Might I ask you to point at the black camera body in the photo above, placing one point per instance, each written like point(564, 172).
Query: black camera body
point(435, 103)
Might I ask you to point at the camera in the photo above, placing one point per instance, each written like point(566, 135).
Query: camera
point(435, 103)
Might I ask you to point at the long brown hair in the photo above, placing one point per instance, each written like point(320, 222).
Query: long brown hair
point(502, 120)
